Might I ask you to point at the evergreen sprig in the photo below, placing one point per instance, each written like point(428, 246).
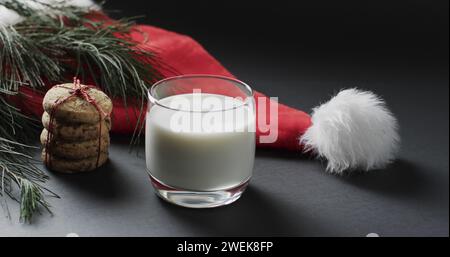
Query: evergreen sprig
point(17, 167)
point(50, 47)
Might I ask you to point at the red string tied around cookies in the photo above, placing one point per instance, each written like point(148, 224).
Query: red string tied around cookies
point(80, 91)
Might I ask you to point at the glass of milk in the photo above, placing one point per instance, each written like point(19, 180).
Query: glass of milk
point(200, 139)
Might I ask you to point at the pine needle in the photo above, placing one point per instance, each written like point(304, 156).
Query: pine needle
point(50, 48)
point(17, 167)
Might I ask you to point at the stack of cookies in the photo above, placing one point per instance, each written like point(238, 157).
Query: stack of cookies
point(76, 128)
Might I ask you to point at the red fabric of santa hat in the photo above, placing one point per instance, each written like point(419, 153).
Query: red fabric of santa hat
point(353, 131)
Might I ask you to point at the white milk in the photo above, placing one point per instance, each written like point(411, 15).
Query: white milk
point(183, 154)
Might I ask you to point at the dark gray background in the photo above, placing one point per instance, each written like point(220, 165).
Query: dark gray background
point(303, 54)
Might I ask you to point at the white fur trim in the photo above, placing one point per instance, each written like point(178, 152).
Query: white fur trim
point(77, 3)
point(10, 17)
point(354, 130)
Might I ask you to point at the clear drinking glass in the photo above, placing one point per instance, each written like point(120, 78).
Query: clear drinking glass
point(200, 139)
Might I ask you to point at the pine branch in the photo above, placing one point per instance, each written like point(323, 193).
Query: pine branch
point(50, 47)
point(23, 62)
point(68, 44)
point(17, 167)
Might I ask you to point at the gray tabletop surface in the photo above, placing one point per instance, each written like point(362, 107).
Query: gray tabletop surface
point(289, 194)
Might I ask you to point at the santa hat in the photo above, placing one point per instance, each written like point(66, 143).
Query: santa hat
point(354, 130)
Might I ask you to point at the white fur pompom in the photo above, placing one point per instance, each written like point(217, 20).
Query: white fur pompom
point(354, 130)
